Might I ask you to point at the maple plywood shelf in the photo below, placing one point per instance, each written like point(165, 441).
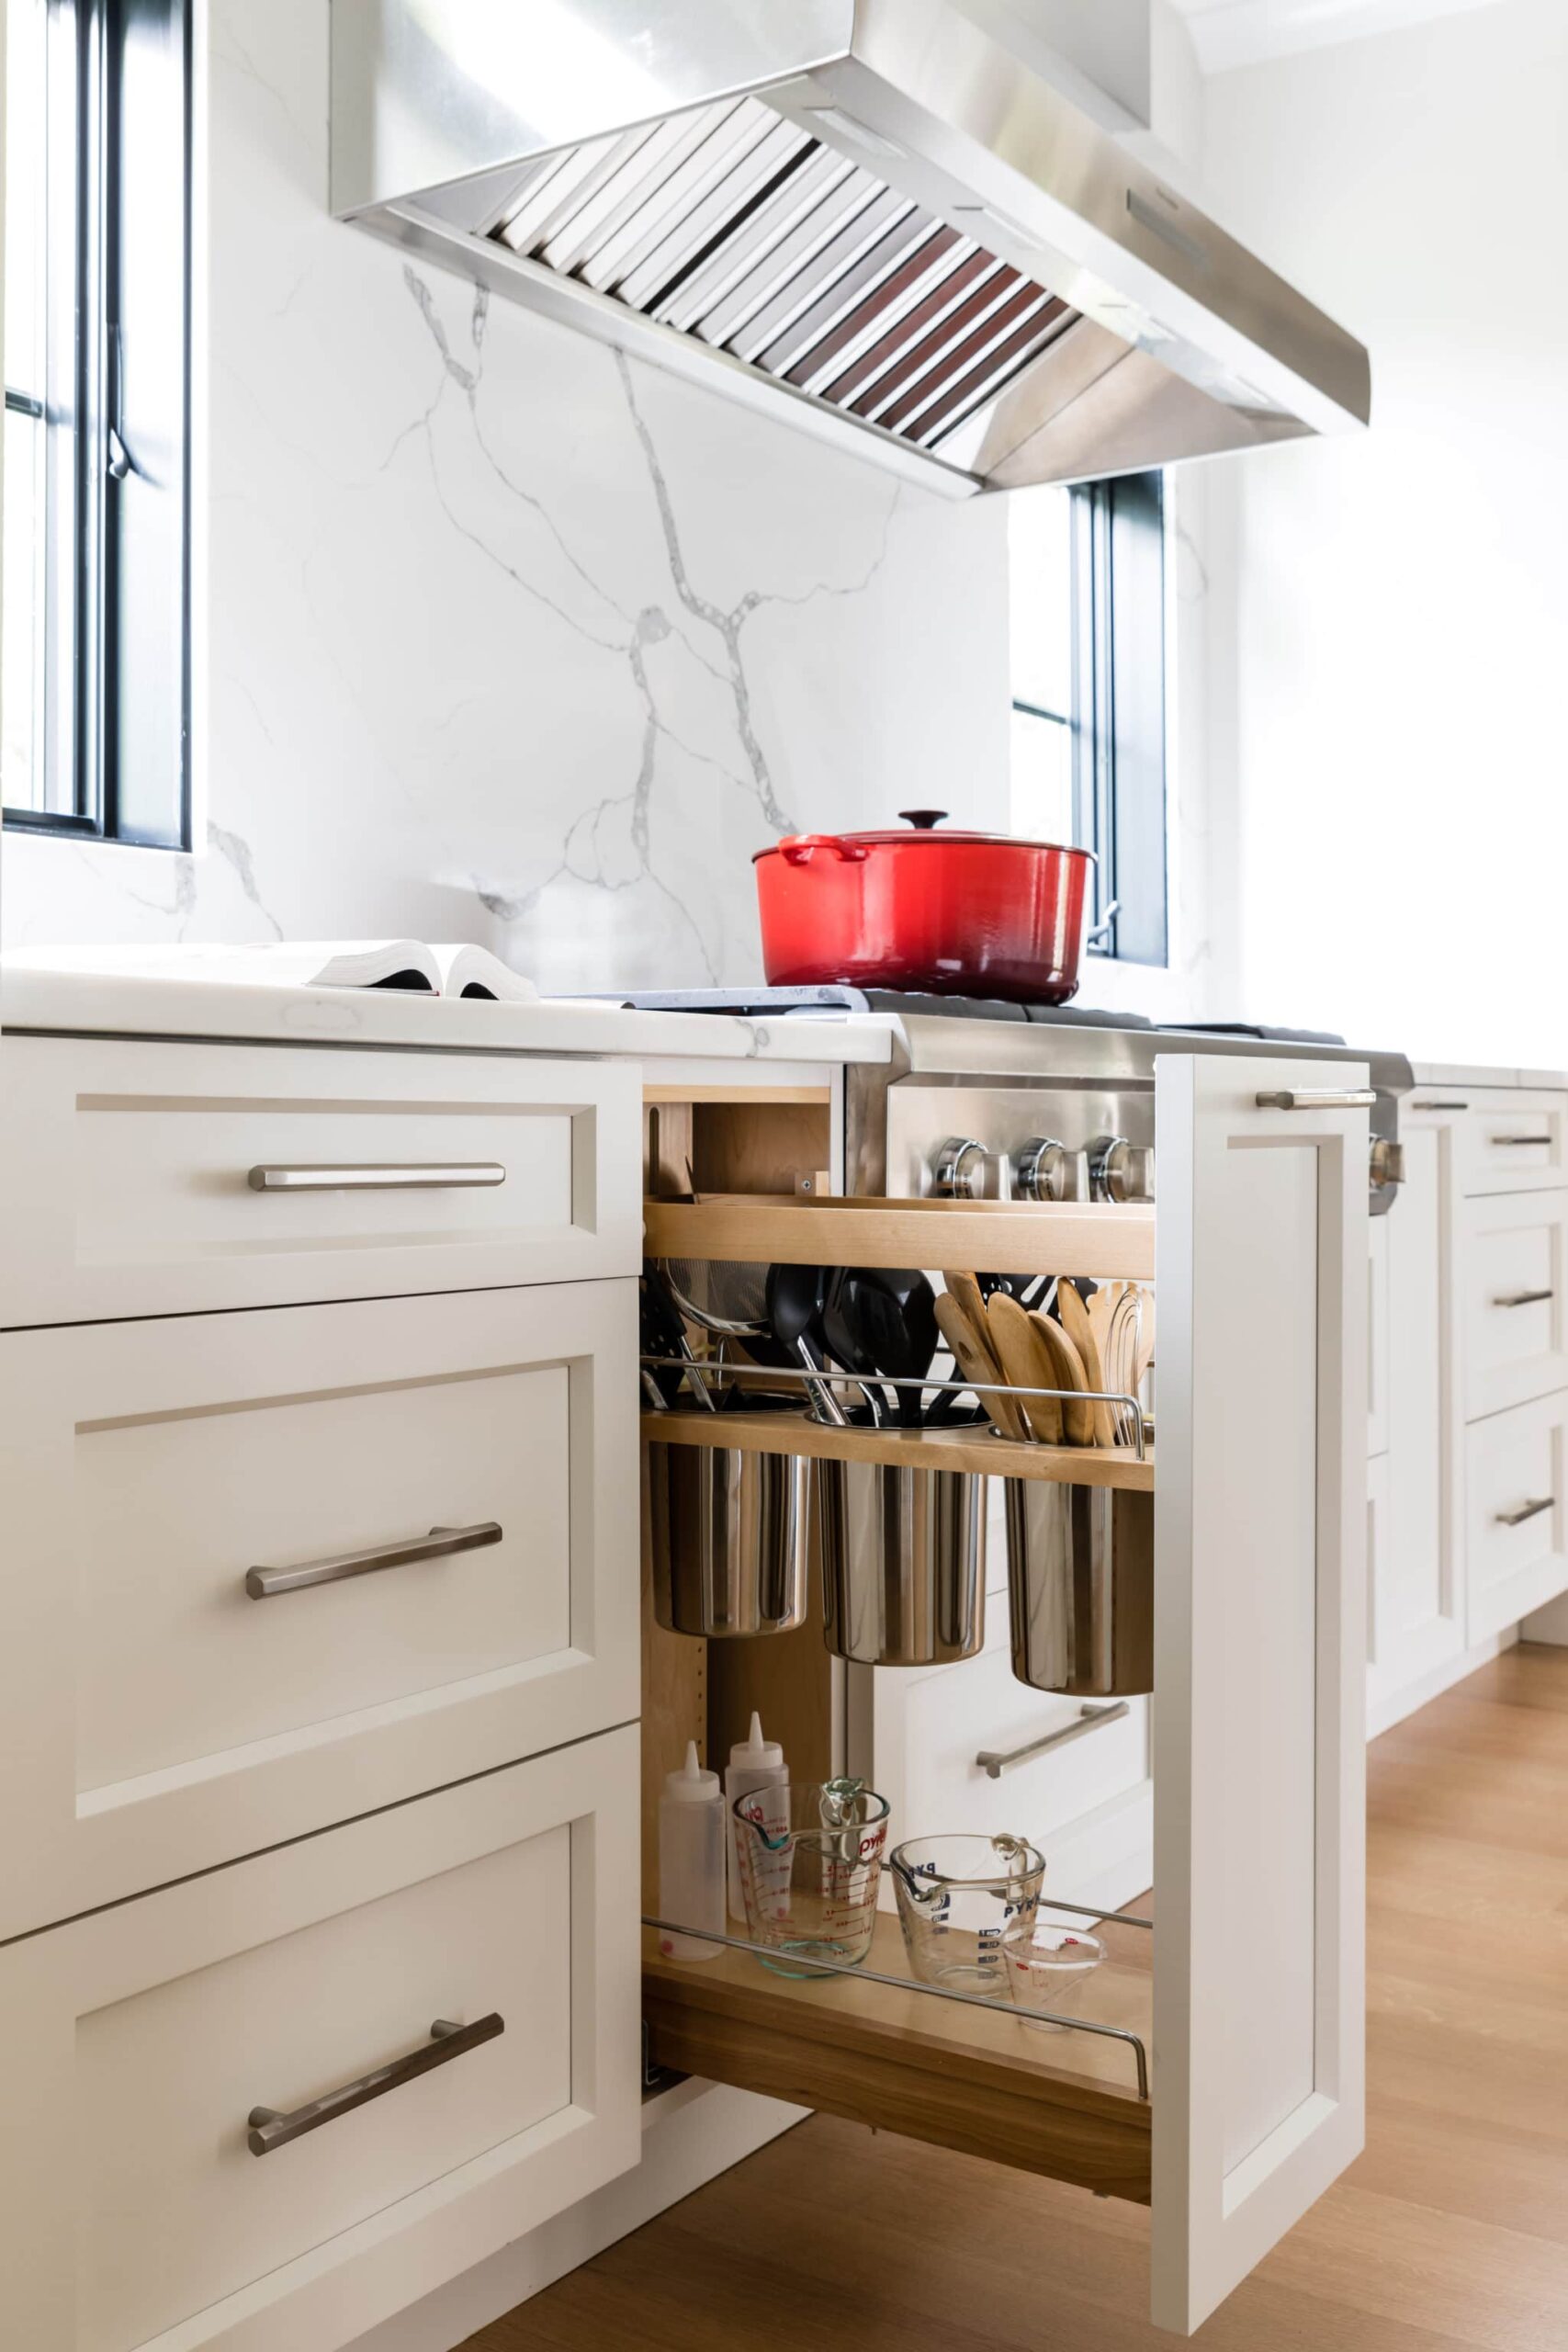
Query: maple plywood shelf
point(986, 2079)
point(972, 1449)
point(1101, 1241)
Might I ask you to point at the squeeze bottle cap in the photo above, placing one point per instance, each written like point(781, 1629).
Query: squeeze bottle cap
point(755, 1751)
point(690, 1783)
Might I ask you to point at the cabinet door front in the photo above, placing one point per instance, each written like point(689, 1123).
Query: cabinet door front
point(1417, 1611)
point(284, 1566)
point(148, 1179)
point(1516, 1336)
point(269, 2107)
point(1518, 1511)
point(1260, 1508)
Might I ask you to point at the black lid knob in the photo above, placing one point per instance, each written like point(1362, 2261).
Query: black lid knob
point(923, 819)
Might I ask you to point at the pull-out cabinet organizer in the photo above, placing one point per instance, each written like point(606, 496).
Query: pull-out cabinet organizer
point(1252, 2012)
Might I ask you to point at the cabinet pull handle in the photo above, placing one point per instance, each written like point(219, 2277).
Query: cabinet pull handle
point(1359, 1098)
point(1523, 1297)
point(1439, 1106)
point(410, 1176)
point(265, 1584)
point(1519, 1143)
point(1090, 1719)
point(1518, 1515)
point(270, 2130)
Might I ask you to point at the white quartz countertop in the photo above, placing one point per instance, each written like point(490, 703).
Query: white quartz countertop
point(1463, 1074)
point(109, 1005)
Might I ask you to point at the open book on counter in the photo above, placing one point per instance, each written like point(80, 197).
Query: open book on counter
point(412, 964)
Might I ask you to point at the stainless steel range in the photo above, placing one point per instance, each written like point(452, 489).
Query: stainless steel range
point(990, 1101)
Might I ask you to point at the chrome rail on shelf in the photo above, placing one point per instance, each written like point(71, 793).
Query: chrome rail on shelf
point(946, 1992)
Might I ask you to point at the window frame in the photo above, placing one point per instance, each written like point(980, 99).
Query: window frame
point(106, 517)
point(1117, 721)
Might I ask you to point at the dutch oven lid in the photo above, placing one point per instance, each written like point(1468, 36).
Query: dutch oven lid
point(924, 822)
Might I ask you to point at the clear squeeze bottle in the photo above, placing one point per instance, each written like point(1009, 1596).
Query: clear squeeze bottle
point(691, 1858)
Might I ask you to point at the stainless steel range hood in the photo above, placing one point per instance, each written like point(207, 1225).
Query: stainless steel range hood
point(870, 216)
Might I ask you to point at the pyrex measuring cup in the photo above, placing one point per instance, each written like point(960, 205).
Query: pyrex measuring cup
point(958, 1897)
point(809, 1875)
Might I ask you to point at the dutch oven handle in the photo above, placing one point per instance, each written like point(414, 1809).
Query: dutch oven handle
point(923, 819)
point(800, 848)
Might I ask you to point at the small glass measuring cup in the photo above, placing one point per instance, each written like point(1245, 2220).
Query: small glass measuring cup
point(810, 1875)
point(1048, 1967)
point(958, 1897)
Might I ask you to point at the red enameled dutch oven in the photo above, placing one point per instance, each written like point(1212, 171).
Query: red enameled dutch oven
point(963, 914)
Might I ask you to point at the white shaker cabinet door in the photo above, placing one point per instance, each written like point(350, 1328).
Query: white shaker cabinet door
point(267, 1571)
point(265, 2109)
point(1260, 1654)
point(1416, 1619)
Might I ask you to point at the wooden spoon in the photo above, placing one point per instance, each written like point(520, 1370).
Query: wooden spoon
point(970, 1298)
point(1066, 1371)
point(1080, 1332)
point(1018, 1345)
point(972, 1353)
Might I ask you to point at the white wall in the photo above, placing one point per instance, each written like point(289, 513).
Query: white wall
point(1389, 823)
point(505, 640)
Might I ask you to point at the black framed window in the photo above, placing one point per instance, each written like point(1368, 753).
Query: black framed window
point(96, 643)
point(1087, 574)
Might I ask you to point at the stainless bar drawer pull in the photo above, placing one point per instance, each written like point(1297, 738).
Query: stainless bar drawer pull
point(270, 2130)
point(1331, 1098)
point(1521, 1143)
point(1439, 1106)
point(1090, 1719)
point(265, 1584)
point(1524, 1298)
point(412, 1176)
point(1518, 1517)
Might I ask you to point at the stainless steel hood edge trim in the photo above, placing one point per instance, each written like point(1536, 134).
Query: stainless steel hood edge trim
point(1161, 338)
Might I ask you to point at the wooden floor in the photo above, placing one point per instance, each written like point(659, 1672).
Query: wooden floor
point(1451, 2231)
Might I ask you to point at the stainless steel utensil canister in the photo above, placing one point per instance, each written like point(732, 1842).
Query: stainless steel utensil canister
point(903, 1563)
point(1081, 1589)
point(727, 1536)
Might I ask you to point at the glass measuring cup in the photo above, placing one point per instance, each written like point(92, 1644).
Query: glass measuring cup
point(958, 1897)
point(810, 1875)
point(1048, 1967)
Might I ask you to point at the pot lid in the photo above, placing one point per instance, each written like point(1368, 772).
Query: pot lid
point(921, 824)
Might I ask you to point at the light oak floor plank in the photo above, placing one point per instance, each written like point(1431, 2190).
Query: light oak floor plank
point(1450, 2235)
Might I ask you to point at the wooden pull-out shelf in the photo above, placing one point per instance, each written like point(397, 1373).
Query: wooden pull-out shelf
point(972, 1449)
point(1046, 2101)
point(1002, 1236)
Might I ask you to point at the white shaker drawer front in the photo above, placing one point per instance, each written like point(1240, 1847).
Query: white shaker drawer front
point(1517, 1518)
point(1097, 1756)
point(1514, 1141)
point(1515, 1336)
point(165, 2183)
point(282, 1568)
point(161, 1179)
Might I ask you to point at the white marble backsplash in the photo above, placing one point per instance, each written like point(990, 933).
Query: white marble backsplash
point(501, 637)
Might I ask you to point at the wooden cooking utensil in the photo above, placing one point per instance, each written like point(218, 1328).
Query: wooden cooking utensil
point(972, 1353)
point(1101, 1307)
point(1067, 1371)
point(1080, 1332)
point(1017, 1345)
point(971, 1298)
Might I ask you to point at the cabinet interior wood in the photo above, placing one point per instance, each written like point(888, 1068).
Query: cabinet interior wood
point(1048, 2102)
